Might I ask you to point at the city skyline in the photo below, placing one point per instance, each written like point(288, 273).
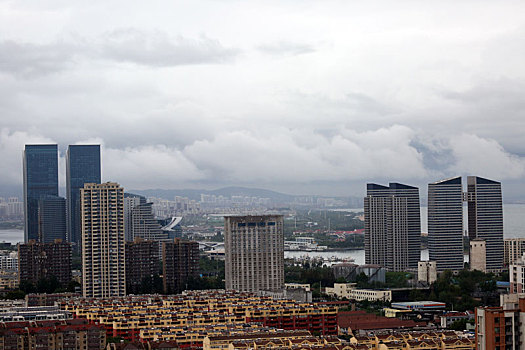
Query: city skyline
point(336, 94)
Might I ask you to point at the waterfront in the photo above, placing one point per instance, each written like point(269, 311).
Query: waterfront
point(12, 235)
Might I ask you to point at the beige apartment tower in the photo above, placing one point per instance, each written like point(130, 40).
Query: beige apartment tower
point(478, 254)
point(103, 243)
point(514, 249)
point(254, 249)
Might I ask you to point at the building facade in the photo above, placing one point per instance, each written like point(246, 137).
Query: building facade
point(478, 255)
point(51, 219)
point(82, 166)
point(40, 180)
point(501, 327)
point(485, 217)
point(392, 226)
point(144, 225)
point(445, 224)
point(427, 272)
point(180, 263)
point(37, 261)
point(517, 276)
point(103, 244)
point(254, 252)
point(130, 201)
point(514, 249)
point(142, 265)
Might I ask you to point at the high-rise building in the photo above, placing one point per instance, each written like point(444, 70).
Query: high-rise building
point(445, 224)
point(180, 260)
point(142, 265)
point(51, 219)
point(40, 180)
point(82, 166)
point(514, 249)
point(103, 249)
point(254, 249)
point(392, 226)
point(144, 224)
point(485, 217)
point(130, 201)
point(44, 260)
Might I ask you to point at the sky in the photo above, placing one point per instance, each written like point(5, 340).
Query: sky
point(303, 97)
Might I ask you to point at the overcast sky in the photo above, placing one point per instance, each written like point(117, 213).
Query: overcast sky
point(297, 96)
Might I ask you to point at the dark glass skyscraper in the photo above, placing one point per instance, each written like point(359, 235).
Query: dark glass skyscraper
point(51, 219)
point(485, 218)
point(82, 166)
point(40, 180)
point(392, 226)
point(445, 224)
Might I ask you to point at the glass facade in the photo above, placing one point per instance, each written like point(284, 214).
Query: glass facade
point(82, 166)
point(40, 180)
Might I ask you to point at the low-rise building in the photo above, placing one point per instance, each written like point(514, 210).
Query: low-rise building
point(427, 272)
point(188, 318)
point(350, 292)
point(66, 334)
point(8, 280)
point(43, 299)
point(34, 313)
point(450, 317)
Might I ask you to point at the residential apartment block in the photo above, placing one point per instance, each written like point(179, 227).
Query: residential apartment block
point(103, 244)
point(180, 262)
point(66, 334)
point(190, 317)
point(44, 260)
point(501, 327)
point(142, 264)
point(514, 249)
point(254, 249)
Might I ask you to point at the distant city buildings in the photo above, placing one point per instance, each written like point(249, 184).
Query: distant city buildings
point(392, 226)
point(445, 224)
point(40, 180)
point(11, 208)
point(485, 218)
point(254, 247)
point(103, 250)
point(44, 261)
point(82, 166)
point(180, 206)
point(180, 263)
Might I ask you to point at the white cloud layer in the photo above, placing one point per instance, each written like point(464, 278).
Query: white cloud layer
point(279, 94)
